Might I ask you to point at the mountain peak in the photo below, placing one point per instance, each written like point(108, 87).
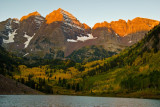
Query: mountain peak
point(123, 28)
point(101, 25)
point(59, 9)
point(29, 15)
point(59, 15)
point(54, 16)
point(145, 20)
point(140, 18)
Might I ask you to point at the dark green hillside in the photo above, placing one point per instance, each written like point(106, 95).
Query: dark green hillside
point(8, 63)
point(90, 53)
point(9, 67)
point(135, 72)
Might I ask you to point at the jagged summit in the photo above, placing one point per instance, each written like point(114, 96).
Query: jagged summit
point(86, 26)
point(123, 28)
point(61, 15)
point(54, 16)
point(61, 33)
point(104, 24)
point(29, 15)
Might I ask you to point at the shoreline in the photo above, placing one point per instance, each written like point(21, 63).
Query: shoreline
point(85, 95)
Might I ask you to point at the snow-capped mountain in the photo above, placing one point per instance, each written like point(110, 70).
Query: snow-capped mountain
point(60, 33)
point(20, 32)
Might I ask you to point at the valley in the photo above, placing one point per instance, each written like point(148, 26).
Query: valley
point(58, 54)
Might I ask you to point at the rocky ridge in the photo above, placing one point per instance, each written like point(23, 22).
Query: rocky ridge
point(60, 33)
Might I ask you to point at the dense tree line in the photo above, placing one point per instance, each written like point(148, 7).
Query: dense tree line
point(90, 53)
point(8, 62)
point(143, 81)
point(41, 85)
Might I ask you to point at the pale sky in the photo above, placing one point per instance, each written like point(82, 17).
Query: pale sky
point(86, 11)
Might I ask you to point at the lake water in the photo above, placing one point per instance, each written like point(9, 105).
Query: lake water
point(73, 101)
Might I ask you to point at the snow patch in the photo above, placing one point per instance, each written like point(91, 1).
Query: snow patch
point(16, 21)
point(130, 41)
point(70, 20)
point(117, 35)
point(25, 54)
point(8, 25)
point(11, 37)
point(39, 18)
point(28, 39)
point(67, 15)
point(71, 40)
point(82, 38)
point(72, 25)
point(37, 21)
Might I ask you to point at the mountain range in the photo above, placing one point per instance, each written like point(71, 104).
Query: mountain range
point(59, 55)
point(59, 34)
point(134, 72)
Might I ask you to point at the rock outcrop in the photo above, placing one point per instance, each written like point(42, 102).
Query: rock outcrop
point(128, 32)
point(123, 28)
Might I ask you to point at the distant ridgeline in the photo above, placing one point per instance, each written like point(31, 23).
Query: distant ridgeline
point(135, 72)
point(60, 35)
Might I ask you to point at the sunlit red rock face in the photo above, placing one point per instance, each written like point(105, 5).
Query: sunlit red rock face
point(54, 16)
point(60, 33)
point(29, 15)
point(122, 32)
point(62, 15)
point(54, 36)
point(86, 26)
point(123, 28)
point(101, 25)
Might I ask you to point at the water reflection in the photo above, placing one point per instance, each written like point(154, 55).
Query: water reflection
point(73, 101)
